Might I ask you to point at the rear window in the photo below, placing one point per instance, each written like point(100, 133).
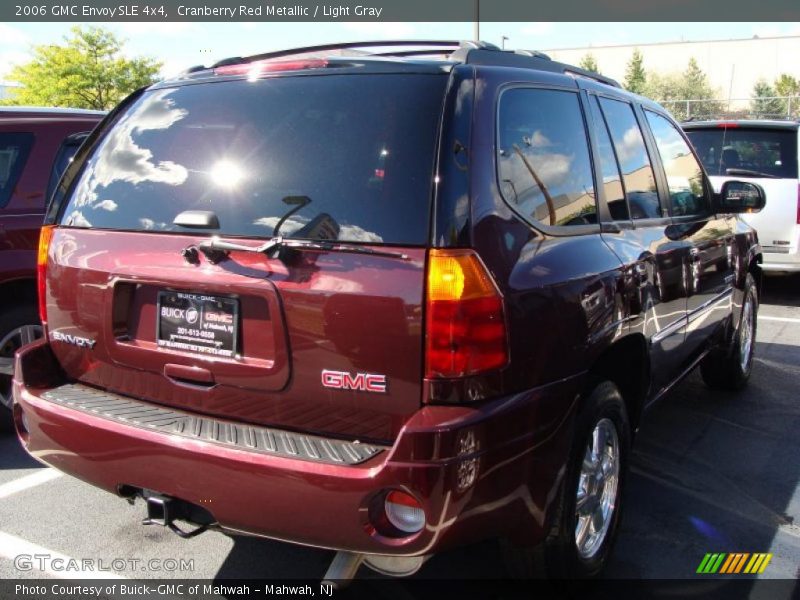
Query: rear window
point(737, 150)
point(347, 157)
point(14, 150)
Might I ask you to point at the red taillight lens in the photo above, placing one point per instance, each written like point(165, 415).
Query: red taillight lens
point(798, 204)
point(258, 67)
point(45, 235)
point(465, 324)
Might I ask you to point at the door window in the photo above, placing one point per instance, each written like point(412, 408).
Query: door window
point(687, 190)
point(637, 172)
point(612, 181)
point(544, 166)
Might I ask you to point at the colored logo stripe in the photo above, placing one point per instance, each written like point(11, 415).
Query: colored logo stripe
point(710, 563)
point(733, 563)
point(758, 563)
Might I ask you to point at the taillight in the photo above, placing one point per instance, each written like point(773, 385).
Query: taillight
point(256, 68)
point(404, 512)
point(798, 204)
point(465, 323)
point(45, 235)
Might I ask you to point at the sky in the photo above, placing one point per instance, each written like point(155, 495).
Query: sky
point(181, 45)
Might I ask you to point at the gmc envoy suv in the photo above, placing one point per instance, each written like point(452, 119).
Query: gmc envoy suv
point(385, 303)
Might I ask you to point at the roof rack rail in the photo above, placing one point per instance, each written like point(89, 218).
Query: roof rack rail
point(465, 51)
point(443, 45)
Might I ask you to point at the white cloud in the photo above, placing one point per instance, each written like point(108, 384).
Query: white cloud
point(76, 219)
point(108, 205)
point(128, 161)
point(11, 36)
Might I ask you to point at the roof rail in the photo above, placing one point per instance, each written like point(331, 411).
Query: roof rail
point(466, 52)
point(442, 45)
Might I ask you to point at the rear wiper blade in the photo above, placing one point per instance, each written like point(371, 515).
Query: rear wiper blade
point(215, 248)
point(746, 172)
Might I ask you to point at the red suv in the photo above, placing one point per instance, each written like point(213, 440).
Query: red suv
point(35, 147)
point(382, 304)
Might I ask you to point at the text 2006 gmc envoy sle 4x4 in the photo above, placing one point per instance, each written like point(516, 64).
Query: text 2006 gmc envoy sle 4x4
point(382, 304)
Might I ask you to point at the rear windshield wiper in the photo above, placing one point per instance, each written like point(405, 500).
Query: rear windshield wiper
point(748, 172)
point(216, 249)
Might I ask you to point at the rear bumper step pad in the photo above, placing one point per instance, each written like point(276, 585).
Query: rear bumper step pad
point(252, 438)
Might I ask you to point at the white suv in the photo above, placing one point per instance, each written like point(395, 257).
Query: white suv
point(764, 152)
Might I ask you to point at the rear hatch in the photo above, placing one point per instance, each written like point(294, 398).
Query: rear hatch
point(326, 337)
point(765, 154)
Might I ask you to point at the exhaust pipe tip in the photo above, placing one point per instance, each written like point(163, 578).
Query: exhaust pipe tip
point(342, 569)
point(158, 511)
point(395, 566)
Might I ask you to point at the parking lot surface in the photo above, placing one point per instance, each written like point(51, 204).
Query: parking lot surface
point(711, 472)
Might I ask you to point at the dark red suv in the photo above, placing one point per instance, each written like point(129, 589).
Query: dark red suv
point(35, 147)
point(383, 304)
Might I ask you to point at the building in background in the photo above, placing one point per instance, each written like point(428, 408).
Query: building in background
point(733, 66)
point(7, 87)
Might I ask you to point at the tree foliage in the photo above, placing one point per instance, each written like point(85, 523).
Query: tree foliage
point(764, 103)
point(789, 87)
point(589, 63)
point(686, 95)
point(88, 71)
point(635, 75)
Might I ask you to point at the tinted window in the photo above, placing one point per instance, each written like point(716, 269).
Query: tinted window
point(637, 172)
point(763, 152)
point(63, 158)
point(323, 157)
point(612, 183)
point(544, 167)
point(684, 175)
point(14, 150)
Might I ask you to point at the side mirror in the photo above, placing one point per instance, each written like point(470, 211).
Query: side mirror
point(741, 197)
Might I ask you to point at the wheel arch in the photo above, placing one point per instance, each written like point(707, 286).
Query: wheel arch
point(626, 363)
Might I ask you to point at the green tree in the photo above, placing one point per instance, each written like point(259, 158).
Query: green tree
point(786, 85)
point(635, 76)
point(764, 103)
point(589, 63)
point(87, 71)
point(687, 95)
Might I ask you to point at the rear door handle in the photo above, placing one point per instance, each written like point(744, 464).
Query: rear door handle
point(186, 375)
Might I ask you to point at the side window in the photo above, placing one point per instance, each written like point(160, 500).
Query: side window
point(684, 174)
point(14, 150)
point(612, 182)
point(544, 166)
point(637, 172)
point(63, 158)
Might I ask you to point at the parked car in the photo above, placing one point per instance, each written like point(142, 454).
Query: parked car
point(383, 304)
point(31, 139)
point(764, 152)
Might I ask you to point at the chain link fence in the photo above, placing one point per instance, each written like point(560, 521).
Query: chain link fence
point(772, 107)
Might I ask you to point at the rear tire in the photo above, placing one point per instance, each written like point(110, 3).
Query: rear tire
point(18, 326)
point(729, 368)
point(589, 503)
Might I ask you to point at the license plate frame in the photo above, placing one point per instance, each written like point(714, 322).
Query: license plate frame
point(203, 324)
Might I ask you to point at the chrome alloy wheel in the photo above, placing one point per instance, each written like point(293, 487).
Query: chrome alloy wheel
point(13, 341)
point(597, 489)
point(746, 332)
